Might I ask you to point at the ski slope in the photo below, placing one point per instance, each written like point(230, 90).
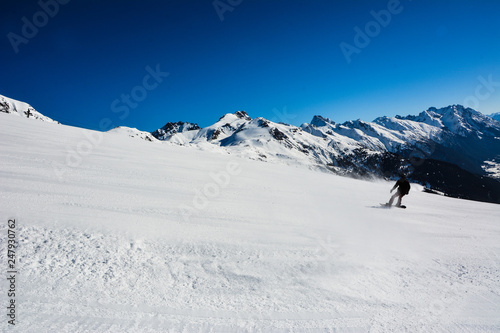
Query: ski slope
point(117, 234)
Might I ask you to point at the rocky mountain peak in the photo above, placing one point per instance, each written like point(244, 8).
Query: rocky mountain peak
point(320, 121)
point(171, 128)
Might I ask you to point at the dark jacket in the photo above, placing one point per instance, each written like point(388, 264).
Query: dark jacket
point(403, 186)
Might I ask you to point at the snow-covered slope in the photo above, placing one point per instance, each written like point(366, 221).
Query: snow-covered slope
point(133, 133)
point(140, 237)
point(21, 109)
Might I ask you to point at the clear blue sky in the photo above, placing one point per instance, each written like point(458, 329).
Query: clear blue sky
point(282, 60)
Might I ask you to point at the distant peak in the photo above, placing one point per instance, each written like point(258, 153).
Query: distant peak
point(242, 115)
point(495, 116)
point(458, 108)
point(180, 124)
point(172, 128)
point(237, 114)
point(320, 121)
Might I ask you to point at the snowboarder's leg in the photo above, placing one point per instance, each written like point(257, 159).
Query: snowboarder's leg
point(392, 198)
point(399, 199)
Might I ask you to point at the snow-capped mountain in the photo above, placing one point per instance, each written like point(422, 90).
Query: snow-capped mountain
point(455, 142)
point(495, 116)
point(454, 134)
point(458, 120)
point(260, 139)
point(21, 109)
point(170, 129)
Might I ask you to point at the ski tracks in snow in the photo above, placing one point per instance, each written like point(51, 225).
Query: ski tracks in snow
point(78, 281)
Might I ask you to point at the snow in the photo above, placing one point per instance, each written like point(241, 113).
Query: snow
point(21, 109)
point(492, 168)
point(457, 119)
point(118, 234)
point(171, 132)
point(133, 133)
point(239, 135)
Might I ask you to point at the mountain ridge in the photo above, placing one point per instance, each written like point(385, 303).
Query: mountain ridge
point(452, 127)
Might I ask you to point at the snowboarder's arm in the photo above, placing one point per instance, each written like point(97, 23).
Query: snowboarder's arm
point(395, 185)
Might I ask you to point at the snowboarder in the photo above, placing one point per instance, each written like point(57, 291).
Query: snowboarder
point(403, 187)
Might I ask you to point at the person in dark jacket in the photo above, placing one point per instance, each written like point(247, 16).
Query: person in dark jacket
point(403, 188)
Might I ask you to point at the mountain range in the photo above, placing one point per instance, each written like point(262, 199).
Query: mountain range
point(454, 150)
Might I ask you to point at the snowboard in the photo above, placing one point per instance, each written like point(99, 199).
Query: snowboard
point(387, 206)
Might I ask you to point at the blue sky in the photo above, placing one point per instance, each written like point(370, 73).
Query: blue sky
point(82, 62)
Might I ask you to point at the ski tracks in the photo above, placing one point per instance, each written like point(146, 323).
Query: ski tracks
point(78, 281)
